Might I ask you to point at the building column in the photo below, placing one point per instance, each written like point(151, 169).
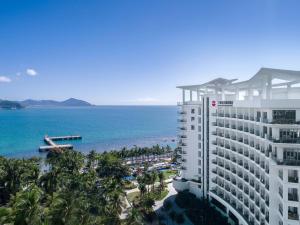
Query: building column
point(183, 96)
point(191, 95)
point(237, 91)
point(223, 94)
point(250, 94)
point(288, 90)
point(268, 88)
point(198, 95)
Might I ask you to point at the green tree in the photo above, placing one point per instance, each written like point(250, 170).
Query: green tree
point(26, 207)
point(161, 178)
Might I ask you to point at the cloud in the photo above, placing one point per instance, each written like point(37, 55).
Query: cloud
point(4, 79)
point(18, 74)
point(31, 72)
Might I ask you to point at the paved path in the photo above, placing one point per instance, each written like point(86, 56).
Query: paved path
point(169, 181)
point(172, 191)
point(170, 197)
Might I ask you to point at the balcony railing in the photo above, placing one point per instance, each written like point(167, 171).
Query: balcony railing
point(293, 197)
point(293, 215)
point(286, 162)
point(293, 179)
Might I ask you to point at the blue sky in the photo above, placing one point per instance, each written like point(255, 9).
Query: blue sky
point(136, 52)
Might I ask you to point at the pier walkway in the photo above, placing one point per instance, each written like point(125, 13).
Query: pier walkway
point(52, 146)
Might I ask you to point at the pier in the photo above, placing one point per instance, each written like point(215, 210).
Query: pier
point(52, 146)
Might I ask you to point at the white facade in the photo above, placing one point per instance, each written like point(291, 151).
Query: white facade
point(240, 145)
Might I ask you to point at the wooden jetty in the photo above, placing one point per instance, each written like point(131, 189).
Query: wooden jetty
point(52, 146)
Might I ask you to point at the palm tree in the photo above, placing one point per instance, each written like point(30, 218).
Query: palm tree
point(111, 166)
point(161, 178)
point(6, 216)
point(146, 203)
point(91, 159)
point(142, 188)
point(26, 208)
point(153, 179)
point(15, 174)
point(62, 209)
point(147, 179)
point(134, 217)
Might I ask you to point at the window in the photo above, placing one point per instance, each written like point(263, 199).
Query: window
point(199, 162)
point(289, 135)
point(280, 208)
point(199, 154)
point(199, 145)
point(280, 174)
point(199, 170)
point(284, 116)
point(192, 111)
point(192, 118)
point(293, 213)
point(293, 194)
point(192, 127)
point(291, 155)
point(293, 176)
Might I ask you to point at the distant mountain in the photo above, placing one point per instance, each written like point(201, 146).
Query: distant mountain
point(75, 102)
point(5, 104)
point(69, 102)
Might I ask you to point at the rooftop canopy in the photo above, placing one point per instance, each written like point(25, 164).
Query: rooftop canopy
point(259, 81)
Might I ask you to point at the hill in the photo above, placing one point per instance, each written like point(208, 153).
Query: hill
point(5, 104)
point(69, 102)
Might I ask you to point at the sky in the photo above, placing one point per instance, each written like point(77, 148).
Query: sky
point(135, 52)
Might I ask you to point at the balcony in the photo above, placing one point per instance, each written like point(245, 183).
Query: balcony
point(287, 162)
point(181, 112)
point(280, 209)
point(287, 140)
point(293, 215)
point(282, 121)
point(293, 197)
point(293, 179)
point(182, 144)
point(182, 136)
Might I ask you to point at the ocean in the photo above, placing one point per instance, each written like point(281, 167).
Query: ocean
point(102, 127)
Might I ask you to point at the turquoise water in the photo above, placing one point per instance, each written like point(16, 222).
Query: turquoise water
point(102, 128)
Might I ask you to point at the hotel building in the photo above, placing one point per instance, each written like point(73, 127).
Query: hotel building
point(240, 146)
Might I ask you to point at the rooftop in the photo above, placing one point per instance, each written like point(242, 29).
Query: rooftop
point(260, 80)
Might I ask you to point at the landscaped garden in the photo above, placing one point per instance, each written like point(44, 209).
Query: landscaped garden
point(199, 211)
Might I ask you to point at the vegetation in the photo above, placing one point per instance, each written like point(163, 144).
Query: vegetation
point(77, 189)
point(142, 152)
point(169, 174)
point(70, 192)
point(144, 200)
point(198, 211)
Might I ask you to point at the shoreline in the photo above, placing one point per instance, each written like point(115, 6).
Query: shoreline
point(101, 146)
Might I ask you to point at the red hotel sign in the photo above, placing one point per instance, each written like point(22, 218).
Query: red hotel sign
point(213, 103)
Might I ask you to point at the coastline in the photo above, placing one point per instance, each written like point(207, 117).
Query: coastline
point(116, 144)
